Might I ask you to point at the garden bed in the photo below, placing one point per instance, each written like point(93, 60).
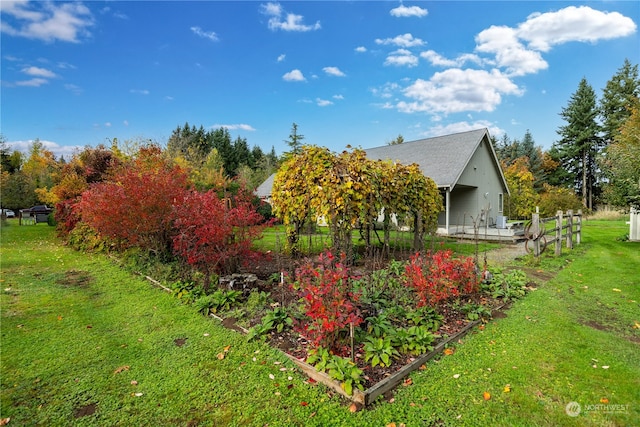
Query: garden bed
point(367, 356)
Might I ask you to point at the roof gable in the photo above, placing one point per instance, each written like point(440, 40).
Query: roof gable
point(442, 158)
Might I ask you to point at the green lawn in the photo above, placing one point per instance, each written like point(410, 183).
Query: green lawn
point(274, 239)
point(80, 333)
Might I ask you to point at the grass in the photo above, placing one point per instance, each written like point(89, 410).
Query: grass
point(72, 322)
point(274, 239)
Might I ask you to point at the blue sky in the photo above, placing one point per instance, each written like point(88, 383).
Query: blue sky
point(348, 73)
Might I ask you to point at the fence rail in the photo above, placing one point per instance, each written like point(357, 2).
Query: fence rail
point(564, 227)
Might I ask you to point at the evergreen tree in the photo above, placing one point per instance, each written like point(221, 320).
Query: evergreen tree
point(580, 141)
point(617, 98)
point(399, 140)
point(295, 140)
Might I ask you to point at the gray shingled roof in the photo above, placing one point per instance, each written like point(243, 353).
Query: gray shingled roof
point(442, 158)
point(264, 190)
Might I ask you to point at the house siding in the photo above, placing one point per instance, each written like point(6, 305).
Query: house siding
point(481, 181)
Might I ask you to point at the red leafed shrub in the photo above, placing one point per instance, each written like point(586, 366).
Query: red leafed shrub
point(437, 276)
point(66, 216)
point(329, 303)
point(136, 207)
point(213, 234)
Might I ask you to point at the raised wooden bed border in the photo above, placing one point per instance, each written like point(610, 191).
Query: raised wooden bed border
point(369, 395)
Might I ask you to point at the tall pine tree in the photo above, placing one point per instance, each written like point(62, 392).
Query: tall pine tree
point(580, 141)
point(617, 98)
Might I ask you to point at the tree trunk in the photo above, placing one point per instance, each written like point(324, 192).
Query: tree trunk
point(584, 179)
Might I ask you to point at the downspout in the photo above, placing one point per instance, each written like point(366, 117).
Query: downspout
point(448, 207)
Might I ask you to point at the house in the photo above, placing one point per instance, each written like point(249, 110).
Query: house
point(466, 170)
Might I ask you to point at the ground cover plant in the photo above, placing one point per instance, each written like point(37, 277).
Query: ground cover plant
point(86, 343)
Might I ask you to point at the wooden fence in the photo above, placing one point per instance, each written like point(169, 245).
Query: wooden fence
point(565, 228)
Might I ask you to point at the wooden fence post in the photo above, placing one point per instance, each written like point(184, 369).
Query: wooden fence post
point(535, 233)
point(579, 227)
point(558, 233)
point(570, 229)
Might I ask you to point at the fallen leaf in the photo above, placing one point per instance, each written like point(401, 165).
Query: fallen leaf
point(121, 369)
point(616, 290)
point(604, 400)
point(138, 394)
point(227, 348)
point(134, 382)
point(353, 407)
point(289, 378)
point(448, 351)
point(277, 393)
point(393, 399)
point(311, 381)
point(271, 376)
point(636, 325)
point(4, 421)
point(313, 414)
point(289, 387)
point(304, 403)
point(422, 367)
point(456, 376)
point(59, 317)
point(605, 367)
point(220, 356)
point(283, 369)
point(407, 382)
point(205, 334)
point(89, 326)
point(486, 395)
point(391, 425)
point(507, 388)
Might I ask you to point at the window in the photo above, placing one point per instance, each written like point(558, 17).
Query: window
point(500, 202)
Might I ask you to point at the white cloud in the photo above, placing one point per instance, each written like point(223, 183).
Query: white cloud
point(139, 91)
point(440, 61)
point(458, 127)
point(77, 90)
point(66, 65)
point(291, 21)
point(47, 21)
point(401, 58)
point(125, 122)
point(294, 76)
point(39, 72)
point(388, 90)
point(323, 102)
point(360, 49)
point(403, 11)
point(35, 82)
point(518, 50)
point(509, 52)
point(168, 98)
point(456, 90)
point(581, 24)
point(205, 34)
point(58, 150)
point(107, 124)
point(338, 96)
point(403, 40)
point(238, 126)
point(281, 57)
point(333, 71)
